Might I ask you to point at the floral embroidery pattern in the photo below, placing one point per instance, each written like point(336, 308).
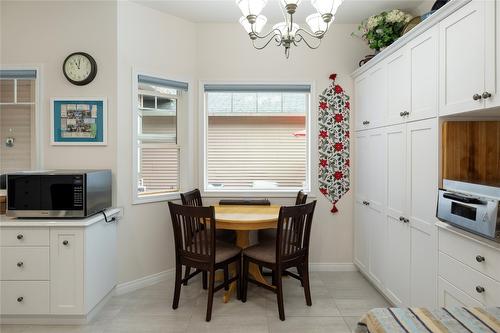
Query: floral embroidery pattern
point(333, 118)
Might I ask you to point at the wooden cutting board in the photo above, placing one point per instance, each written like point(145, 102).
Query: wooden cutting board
point(471, 151)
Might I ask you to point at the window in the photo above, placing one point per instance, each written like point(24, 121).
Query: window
point(18, 120)
point(256, 137)
point(157, 150)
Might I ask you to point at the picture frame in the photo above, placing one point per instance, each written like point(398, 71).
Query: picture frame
point(78, 121)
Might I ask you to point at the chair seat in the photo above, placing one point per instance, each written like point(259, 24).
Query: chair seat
point(225, 251)
point(265, 252)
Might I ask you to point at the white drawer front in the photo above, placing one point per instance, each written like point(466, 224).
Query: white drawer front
point(450, 296)
point(24, 236)
point(24, 297)
point(24, 263)
point(466, 250)
point(469, 280)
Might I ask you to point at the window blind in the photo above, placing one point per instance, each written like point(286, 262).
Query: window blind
point(159, 167)
point(289, 88)
point(145, 79)
point(17, 74)
point(244, 150)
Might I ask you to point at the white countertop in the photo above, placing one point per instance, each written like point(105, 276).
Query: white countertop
point(51, 222)
point(466, 234)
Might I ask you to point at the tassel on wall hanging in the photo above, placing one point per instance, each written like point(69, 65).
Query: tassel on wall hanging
point(333, 143)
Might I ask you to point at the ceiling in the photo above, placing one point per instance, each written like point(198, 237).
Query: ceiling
point(226, 11)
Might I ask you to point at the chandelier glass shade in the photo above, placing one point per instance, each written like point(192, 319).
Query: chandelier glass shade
point(287, 33)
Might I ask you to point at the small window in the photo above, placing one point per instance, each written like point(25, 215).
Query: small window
point(256, 138)
point(157, 148)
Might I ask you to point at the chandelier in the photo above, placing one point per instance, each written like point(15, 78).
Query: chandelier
point(287, 33)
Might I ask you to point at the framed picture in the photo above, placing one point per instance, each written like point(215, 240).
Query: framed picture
point(78, 121)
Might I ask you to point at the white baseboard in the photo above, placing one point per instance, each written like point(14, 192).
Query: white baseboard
point(150, 280)
point(332, 267)
point(146, 281)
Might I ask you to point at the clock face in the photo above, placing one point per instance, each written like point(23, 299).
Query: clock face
point(80, 68)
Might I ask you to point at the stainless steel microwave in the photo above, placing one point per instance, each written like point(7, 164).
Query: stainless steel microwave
point(472, 207)
point(58, 193)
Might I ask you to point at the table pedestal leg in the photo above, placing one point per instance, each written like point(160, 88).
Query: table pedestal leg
point(243, 241)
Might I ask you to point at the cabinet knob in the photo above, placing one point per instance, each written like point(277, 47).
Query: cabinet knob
point(476, 97)
point(480, 289)
point(480, 258)
point(401, 218)
point(486, 95)
point(65, 242)
point(20, 236)
point(20, 264)
point(407, 220)
point(401, 114)
point(20, 299)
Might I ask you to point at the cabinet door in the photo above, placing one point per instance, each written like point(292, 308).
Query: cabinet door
point(66, 271)
point(362, 101)
point(462, 59)
point(377, 102)
point(398, 84)
point(361, 236)
point(362, 174)
point(422, 187)
point(376, 207)
point(424, 57)
point(492, 61)
point(397, 281)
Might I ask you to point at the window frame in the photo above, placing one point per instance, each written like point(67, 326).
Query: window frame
point(39, 113)
point(311, 172)
point(182, 129)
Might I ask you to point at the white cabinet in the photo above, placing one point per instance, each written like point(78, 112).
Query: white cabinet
point(55, 270)
point(422, 184)
point(371, 98)
point(467, 58)
point(423, 54)
point(397, 281)
point(66, 285)
point(398, 87)
point(468, 269)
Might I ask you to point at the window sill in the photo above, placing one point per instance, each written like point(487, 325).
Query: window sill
point(156, 198)
point(253, 194)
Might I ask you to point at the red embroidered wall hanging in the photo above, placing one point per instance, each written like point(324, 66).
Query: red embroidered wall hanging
point(333, 142)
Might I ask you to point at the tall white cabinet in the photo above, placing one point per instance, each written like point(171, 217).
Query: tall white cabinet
point(447, 65)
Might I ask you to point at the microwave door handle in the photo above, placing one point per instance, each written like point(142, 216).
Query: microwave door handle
point(464, 199)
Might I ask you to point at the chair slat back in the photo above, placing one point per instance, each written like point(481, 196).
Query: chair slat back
point(192, 198)
point(194, 231)
point(294, 230)
point(301, 198)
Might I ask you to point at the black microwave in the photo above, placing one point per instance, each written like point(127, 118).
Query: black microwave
point(58, 193)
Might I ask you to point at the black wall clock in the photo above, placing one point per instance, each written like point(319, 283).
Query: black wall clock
point(80, 68)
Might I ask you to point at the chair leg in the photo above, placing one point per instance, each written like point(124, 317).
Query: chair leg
point(238, 281)
point(307, 287)
point(204, 280)
point(178, 283)
point(244, 279)
point(273, 278)
point(210, 300)
point(226, 277)
point(279, 294)
point(186, 274)
point(301, 274)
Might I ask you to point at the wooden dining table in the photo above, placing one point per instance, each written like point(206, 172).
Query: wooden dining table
point(243, 219)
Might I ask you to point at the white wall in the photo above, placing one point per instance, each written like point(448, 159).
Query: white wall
point(226, 53)
point(162, 45)
point(44, 34)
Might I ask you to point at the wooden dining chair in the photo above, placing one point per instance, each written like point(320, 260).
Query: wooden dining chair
point(196, 246)
point(193, 198)
point(291, 249)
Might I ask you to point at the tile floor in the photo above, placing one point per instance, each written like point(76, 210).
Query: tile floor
point(339, 299)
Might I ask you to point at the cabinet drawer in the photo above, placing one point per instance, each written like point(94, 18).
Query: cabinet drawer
point(468, 280)
point(467, 250)
point(451, 297)
point(24, 297)
point(24, 236)
point(24, 263)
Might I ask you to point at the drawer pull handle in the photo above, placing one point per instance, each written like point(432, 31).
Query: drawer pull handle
point(65, 242)
point(480, 258)
point(20, 299)
point(20, 264)
point(20, 236)
point(480, 289)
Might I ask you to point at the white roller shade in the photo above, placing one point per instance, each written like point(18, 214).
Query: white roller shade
point(159, 167)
